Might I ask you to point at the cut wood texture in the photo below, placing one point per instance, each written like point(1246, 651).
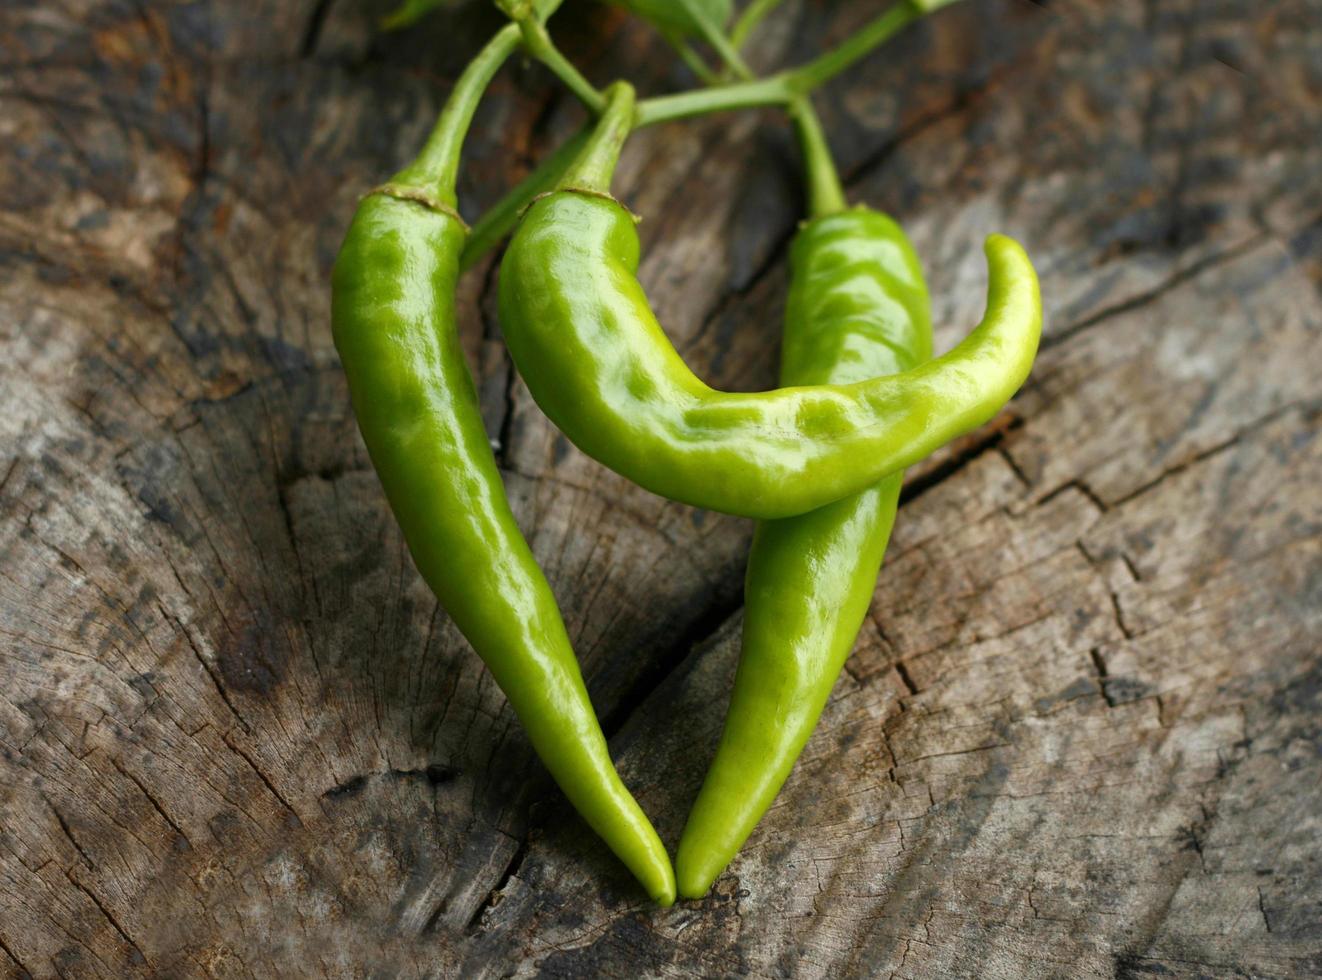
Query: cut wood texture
point(1081, 735)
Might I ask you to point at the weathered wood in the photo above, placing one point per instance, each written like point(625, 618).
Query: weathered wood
point(1080, 734)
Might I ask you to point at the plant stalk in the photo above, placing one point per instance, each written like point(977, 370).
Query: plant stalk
point(826, 195)
point(595, 165)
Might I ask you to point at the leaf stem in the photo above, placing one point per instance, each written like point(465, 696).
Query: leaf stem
point(783, 87)
point(537, 42)
point(701, 70)
point(825, 67)
point(772, 90)
point(714, 35)
point(752, 15)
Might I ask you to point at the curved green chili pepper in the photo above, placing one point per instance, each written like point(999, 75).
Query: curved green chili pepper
point(857, 308)
point(582, 335)
point(393, 315)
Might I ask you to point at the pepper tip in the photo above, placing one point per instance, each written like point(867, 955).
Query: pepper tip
point(661, 885)
point(693, 883)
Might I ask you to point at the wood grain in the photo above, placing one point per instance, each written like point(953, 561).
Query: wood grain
point(1080, 733)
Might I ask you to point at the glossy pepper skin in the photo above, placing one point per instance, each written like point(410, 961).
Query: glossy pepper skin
point(581, 332)
point(858, 308)
point(394, 326)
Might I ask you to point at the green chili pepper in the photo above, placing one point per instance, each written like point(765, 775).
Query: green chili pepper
point(393, 318)
point(857, 308)
point(582, 335)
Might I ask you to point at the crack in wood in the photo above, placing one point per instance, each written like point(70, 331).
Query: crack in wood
point(435, 774)
point(10, 470)
point(962, 100)
point(1211, 451)
point(1195, 834)
point(494, 897)
point(136, 954)
point(25, 973)
point(1139, 300)
point(156, 804)
point(211, 672)
point(505, 430)
point(1078, 485)
point(1015, 468)
point(706, 625)
point(1103, 675)
point(773, 259)
point(1120, 616)
point(312, 32)
point(1129, 564)
point(903, 671)
point(261, 774)
point(989, 440)
point(64, 826)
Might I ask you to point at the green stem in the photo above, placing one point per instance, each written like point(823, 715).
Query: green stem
point(539, 44)
point(781, 88)
point(825, 67)
point(436, 168)
point(742, 95)
point(825, 193)
point(691, 58)
point(496, 223)
point(749, 19)
point(776, 90)
point(714, 35)
point(594, 167)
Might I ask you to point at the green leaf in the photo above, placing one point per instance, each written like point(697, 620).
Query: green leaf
point(411, 11)
point(674, 17)
point(928, 6)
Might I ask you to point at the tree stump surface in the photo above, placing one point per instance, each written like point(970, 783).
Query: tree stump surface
point(1081, 733)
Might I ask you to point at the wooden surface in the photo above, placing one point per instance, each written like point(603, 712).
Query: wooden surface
point(1081, 735)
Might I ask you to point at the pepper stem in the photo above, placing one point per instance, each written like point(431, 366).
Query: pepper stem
point(539, 44)
point(436, 168)
point(593, 168)
point(825, 193)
